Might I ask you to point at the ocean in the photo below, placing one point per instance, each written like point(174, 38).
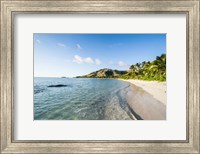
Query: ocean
point(81, 99)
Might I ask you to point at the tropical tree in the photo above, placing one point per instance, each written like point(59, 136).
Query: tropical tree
point(155, 70)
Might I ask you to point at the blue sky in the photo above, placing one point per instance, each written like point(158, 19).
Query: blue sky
point(70, 55)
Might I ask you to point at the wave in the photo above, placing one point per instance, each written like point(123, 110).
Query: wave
point(38, 89)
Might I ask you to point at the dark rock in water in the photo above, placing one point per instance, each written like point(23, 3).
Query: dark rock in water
point(58, 85)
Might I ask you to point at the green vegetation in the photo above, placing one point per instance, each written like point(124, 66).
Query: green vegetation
point(155, 70)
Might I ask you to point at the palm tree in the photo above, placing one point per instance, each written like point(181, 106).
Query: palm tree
point(155, 70)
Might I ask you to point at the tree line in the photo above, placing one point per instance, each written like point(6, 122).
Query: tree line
point(155, 70)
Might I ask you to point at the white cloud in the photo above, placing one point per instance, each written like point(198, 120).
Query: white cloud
point(61, 45)
point(97, 61)
point(78, 46)
point(38, 41)
point(122, 64)
point(79, 60)
point(88, 60)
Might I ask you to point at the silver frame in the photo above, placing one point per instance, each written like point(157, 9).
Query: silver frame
point(11, 7)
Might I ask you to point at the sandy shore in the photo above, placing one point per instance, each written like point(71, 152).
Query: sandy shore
point(154, 88)
point(147, 99)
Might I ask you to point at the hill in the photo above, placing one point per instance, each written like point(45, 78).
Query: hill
point(104, 73)
point(155, 70)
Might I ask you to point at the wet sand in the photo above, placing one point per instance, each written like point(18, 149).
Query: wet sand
point(154, 88)
point(143, 99)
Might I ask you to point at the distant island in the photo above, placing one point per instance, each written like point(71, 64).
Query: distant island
point(155, 70)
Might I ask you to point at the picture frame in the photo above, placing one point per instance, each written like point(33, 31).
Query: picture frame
point(8, 10)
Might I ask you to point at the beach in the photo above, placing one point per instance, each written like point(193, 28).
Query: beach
point(147, 99)
point(98, 99)
point(154, 88)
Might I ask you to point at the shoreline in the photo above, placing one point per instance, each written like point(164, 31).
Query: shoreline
point(134, 101)
point(154, 88)
point(147, 99)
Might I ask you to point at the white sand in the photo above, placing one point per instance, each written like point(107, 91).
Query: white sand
point(155, 88)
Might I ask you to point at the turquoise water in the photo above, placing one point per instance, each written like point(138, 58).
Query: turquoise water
point(80, 99)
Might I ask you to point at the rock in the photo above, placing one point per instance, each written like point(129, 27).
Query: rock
point(58, 85)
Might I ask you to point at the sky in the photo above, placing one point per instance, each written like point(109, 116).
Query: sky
point(71, 55)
